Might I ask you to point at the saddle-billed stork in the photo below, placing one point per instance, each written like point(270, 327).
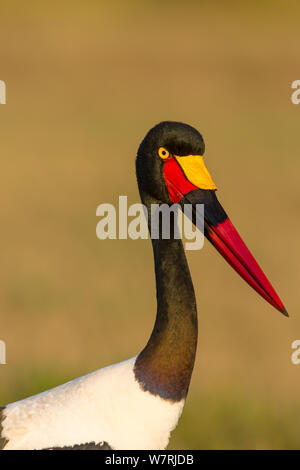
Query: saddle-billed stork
point(135, 404)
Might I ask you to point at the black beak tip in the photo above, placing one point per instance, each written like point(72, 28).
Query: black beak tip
point(285, 313)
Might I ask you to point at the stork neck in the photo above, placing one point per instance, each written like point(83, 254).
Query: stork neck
point(165, 365)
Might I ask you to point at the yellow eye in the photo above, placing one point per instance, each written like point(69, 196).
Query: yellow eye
point(163, 153)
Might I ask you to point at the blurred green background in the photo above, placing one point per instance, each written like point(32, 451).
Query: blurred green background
point(85, 81)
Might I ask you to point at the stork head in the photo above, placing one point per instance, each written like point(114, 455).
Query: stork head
point(171, 169)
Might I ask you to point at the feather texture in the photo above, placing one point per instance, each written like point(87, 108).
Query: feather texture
point(108, 405)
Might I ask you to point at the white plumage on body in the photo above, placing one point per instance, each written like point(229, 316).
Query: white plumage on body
point(106, 405)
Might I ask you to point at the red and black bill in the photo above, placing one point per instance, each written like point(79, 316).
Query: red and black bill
point(218, 228)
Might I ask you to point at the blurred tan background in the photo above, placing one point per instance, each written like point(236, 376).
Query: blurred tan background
point(85, 81)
